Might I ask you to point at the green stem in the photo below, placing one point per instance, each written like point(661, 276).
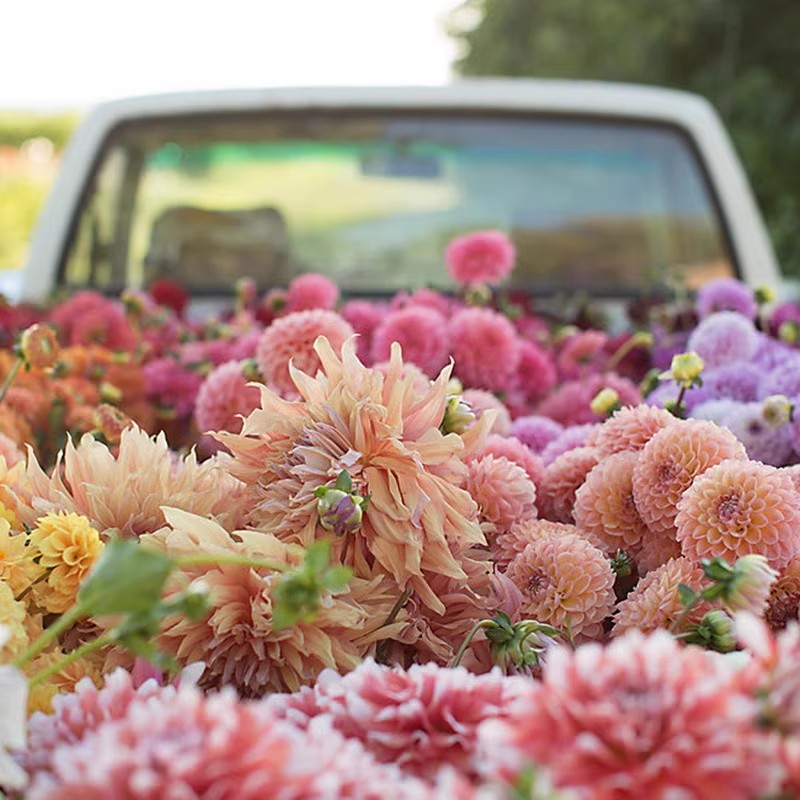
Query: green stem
point(683, 616)
point(620, 353)
point(24, 593)
point(74, 655)
point(485, 623)
point(224, 558)
point(10, 378)
point(49, 635)
point(380, 650)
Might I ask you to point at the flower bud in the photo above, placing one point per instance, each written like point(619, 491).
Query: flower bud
point(110, 393)
point(749, 587)
point(605, 402)
point(135, 302)
point(643, 339)
point(686, 368)
point(714, 631)
point(458, 416)
point(339, 511)
point(777, 410)
point(764, 295)
point(477, 295)
point(39, 346)
point(110, 422)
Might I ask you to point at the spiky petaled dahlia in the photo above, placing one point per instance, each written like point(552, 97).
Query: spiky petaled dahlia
point(604, 505)
point(123, 490)
point(421, 333)
point(561, 480)
point(654, 601)
point(642, 717)
point(224, 398)
point(514, 450)
point(508, 545)
point(669, 463)
point(536, 431)
point(385, 432)
point(236, 640)
point(481, 401)
point(482, 257)
point(631, 428)
point(291, 339)
point(784, 597)
point(502, 489)
point(740, 507)
point(566, 582)
point(485, 347)
point(311, 290)
point(724, 337)
point(189, 745)
point(422, 719)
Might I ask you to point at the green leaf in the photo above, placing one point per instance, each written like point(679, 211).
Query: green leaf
point(318, 556)
point(344, 483)
point(686, 595)
point(127, 578)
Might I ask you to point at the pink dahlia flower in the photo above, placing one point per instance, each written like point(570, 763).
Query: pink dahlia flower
point(363, 317)
point(565, 581)
point(581, 353)
point(514, 450)
point(562, 479)
point(507, 546)
point(536, 373)
point(502, 490)
point(605, 508)
point(291, 339)
point(421, 333)
point(224, 398)
point(570, 404)
point(310, 291)
point(535, 431)
point(669, 463)
point(481, 401)
point(485, 257)
point(173, 386)
point(724, 337)
point(641, 718)
point(740, 507)
point(631, 428)
point(485, 348)
point(569, 439)
point(90, 318)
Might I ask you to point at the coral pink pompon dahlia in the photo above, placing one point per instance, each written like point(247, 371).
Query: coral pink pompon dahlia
point(483, 257)
point(385, 432)
point(737, 508)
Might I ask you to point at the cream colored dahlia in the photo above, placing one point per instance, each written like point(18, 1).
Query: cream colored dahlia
point(237, 641)
point(123, 490)
point(737, 508)
point(654, 601)
point(669, 463)
point(385, 433)
point(561, 481)
point(604, 505)
point(631, 428)
point(565, 582)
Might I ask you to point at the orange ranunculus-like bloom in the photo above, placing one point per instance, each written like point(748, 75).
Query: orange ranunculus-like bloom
point(236, 640)
point(385, 433)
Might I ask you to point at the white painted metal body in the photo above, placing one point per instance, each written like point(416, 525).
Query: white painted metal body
point(693, 115)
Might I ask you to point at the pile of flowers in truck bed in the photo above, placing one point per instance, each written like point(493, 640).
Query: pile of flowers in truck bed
point(433, 547)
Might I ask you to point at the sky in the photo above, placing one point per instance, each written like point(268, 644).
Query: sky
point(56, 54)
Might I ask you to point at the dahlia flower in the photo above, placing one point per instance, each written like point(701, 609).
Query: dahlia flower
point(740, 507)
point(737, 381)
point(363, 317)
point(604, 504)
point(750, 585)
point(784, 598)
point(784, 378)
point(655, 550)
point(481, 401)
point(506, 546)
point(224, 398)
point(630, 428)
point(237, 640)
point(485, 348)
point(17, 567)
point(385, 433)
point(536, 431)
point(580, 351)
point(502, 489)
point(123, 491)
point(716, 411)
point(726, 294)
point(421, 333)
point(13, 615)
point(669, 463)
point(562, 479)
point(724, 337)
point(514, 450)
point(654, 602)
point(565, 582)
point(483, 257)
point(570, 404)
point(291, 339)
point(312, 290)
point(641, 718)
point(536, 373)
point(761, 440)
point(571, 438)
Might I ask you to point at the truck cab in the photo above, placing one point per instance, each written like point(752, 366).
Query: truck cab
point(609, 190)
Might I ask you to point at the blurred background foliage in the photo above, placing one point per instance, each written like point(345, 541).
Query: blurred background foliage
point(741, 54)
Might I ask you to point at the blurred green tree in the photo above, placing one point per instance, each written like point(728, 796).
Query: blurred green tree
point(741, 54)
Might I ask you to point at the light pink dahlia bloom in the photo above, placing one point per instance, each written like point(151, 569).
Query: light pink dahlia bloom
point(224, 398)
point(421, 332)
point(502, 490)
point(483, 257)
point(562, 479)
point(631, 428)
point(312, 290)
point(514, 450)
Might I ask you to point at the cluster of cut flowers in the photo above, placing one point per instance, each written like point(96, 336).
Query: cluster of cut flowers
point(455, 556)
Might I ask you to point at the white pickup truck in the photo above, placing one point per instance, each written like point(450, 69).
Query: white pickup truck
point(606, 189)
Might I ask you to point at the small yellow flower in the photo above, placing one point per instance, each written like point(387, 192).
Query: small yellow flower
point(685, 369)
point(764, 294)
point(13, 614)
point(17, 567)
point(605, 402)
point(68, 546)
point(63, 681)
point(788, 332)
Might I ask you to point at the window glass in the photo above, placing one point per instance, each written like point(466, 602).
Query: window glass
point(373, 199)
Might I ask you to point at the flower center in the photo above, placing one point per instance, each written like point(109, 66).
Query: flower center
point(728, 507)
point(536, 582)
